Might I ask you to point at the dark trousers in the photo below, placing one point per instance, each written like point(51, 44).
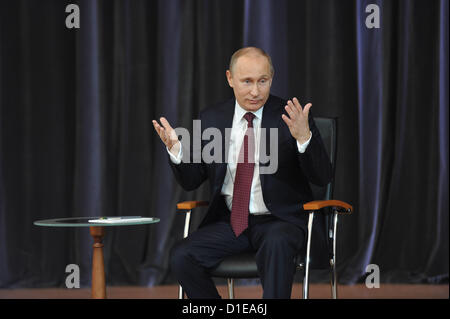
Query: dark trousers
point(275, 242)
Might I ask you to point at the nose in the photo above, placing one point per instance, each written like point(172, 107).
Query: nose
point(255, 90)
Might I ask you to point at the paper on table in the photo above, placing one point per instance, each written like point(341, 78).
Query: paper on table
point(117, 220)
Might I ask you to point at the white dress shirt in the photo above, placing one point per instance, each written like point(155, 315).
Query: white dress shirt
point(238, 129)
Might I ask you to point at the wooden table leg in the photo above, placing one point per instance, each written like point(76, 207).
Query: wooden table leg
point(98, 288)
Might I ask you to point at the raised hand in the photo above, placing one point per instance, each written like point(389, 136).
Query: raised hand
point(167, 135)
point(297, 121)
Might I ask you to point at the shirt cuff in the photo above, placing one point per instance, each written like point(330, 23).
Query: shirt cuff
point(176, 159)
point(302, 147)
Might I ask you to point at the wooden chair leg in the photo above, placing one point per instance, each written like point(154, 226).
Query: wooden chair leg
point(98, 290)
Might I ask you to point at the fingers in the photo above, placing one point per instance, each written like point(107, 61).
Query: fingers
point(163, 135)
point(291, 110)
point(306, 109)
point(158, 128)
point(297, 104)
point(297, 108)
point(295, 112)
point(166, 124)
point(166, 133)
point(287, 120)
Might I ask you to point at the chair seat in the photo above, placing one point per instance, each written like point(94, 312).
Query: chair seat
point(242, 266)
point(237, 266)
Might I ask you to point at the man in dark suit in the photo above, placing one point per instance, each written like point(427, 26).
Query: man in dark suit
point(252, 206)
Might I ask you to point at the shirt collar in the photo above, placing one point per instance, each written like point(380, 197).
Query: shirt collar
point(239, 112)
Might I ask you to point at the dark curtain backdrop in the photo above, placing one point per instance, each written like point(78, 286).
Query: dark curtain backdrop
point(76, 137)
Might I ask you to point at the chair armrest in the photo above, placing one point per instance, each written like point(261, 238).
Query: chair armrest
point(340, 206)
point(191, 204)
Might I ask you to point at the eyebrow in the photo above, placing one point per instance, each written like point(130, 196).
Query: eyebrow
point(262, 77)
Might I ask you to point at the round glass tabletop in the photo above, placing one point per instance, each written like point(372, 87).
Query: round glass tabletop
point(97, 221)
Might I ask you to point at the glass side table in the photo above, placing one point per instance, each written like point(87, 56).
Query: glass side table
point(97, 231)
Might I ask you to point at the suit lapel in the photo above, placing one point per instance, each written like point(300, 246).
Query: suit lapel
point(270, 119)
point(224, 121)
point(271, 115)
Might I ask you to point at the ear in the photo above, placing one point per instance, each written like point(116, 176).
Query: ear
point(229, 78)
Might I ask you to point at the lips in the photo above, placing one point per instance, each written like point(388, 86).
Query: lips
point(254, 101)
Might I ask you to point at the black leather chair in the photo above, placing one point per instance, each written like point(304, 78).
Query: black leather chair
point(320, 252)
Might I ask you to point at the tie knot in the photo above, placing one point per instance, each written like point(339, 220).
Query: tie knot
point(249, 116)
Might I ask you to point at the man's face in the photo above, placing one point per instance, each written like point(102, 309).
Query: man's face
point(251, 80)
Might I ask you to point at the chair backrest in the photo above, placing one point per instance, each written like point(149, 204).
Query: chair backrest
point(322, 221)
point(327, 129)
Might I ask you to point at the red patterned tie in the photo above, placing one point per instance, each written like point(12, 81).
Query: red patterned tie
point(243, 179)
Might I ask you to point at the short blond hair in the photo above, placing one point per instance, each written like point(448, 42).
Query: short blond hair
point(246, 50)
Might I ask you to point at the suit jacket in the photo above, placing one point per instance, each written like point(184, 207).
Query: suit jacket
point(284, 191)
